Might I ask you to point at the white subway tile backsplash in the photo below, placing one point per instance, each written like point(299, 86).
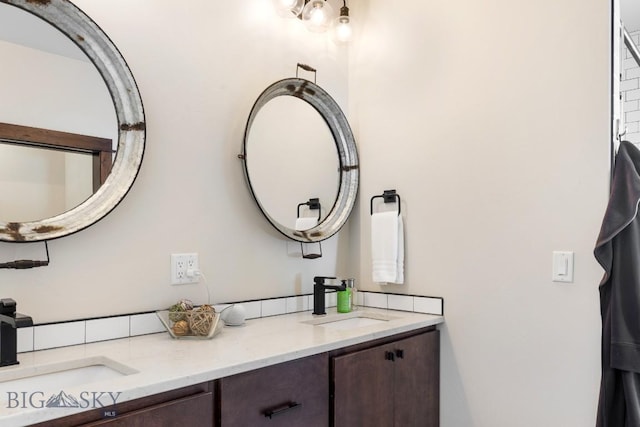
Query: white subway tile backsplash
point(107, 329)
point(400, 302)
point(25, 339)
point(330, 299)
point(274, 307)
point(359, 299)
point(428, 305)
point(41, 337)
point(219, 307)
point(146, 323)
point(375, 300)
point(253, 309)
point(299, 303)
point(58, 335)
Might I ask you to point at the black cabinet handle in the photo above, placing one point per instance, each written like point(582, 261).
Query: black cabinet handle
point(388, 355)
point(270, 413)
point(400, 354)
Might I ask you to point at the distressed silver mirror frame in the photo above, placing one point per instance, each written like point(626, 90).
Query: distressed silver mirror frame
point(81, 29)
point(326, 106)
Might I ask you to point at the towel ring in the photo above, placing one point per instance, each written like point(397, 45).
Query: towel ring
point(389, 196)
point(313, 205)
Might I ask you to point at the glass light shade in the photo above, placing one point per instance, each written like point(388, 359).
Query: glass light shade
point(317, 16)
point(288, 8)
point(342, 27)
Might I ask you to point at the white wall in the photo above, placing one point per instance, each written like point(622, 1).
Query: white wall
point(199, 65)
point(491, 120)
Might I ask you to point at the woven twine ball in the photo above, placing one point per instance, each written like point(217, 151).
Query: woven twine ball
point(178, 310)
point(181, 327)
point(201, 319)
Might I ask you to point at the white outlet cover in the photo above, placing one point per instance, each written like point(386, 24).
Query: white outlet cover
point(180, 265)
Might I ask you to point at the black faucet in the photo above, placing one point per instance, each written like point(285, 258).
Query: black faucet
point(318, 293)
point(10, 321)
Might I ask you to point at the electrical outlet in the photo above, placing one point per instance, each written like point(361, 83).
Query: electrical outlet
point(184, 269)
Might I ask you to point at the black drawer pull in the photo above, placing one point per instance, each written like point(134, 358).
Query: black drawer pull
point(270, 413)
point(400, 354)
point(388, 355)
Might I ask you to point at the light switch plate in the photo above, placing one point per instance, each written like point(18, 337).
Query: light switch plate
point(562, 266)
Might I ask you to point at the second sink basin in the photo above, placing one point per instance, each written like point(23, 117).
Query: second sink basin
point(60, 375)
point(355, 319)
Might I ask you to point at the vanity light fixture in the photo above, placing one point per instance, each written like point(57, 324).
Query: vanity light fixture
point(318, 16)
point(342, 28)
point(289, 8)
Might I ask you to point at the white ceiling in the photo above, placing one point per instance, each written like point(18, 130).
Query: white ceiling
point(630, 13)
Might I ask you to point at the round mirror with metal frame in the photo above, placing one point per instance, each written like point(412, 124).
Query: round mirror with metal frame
point(348, 166)
point(77, 26)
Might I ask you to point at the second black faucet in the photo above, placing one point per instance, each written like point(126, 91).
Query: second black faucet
point(318, 293)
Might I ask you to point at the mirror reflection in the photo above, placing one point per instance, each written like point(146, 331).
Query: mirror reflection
point(292, 158)
point(47, 83)
point(299, 154)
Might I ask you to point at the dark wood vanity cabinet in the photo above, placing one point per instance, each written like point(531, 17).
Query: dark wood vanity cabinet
point(393, 381)
point(391, 384)
point(294, 393)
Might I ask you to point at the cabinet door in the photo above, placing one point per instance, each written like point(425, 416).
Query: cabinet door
point(394, 384)
point(417, 381)
point(364, 388)
point(290, 394)
point(194, 410)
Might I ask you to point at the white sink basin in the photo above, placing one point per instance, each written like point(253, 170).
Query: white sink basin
point(60, 375)
point(355, 319)
point(355, 322)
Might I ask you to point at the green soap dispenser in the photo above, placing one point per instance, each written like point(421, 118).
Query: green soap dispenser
point(344, 299)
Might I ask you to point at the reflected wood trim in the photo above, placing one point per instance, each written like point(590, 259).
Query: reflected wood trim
point(48, 138)
point(101, 149)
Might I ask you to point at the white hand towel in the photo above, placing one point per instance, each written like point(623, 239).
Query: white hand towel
point(387, 247)
point(306, 222)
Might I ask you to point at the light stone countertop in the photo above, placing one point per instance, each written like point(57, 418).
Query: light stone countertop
point(164, 363)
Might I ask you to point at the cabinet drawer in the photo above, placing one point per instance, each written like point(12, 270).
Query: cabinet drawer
point(294, 393)
point(192, 406)
point(189, 411)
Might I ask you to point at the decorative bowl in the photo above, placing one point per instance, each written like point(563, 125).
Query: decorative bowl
point(208, 324)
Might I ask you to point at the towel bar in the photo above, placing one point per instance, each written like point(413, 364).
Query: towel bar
point(389, 196)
